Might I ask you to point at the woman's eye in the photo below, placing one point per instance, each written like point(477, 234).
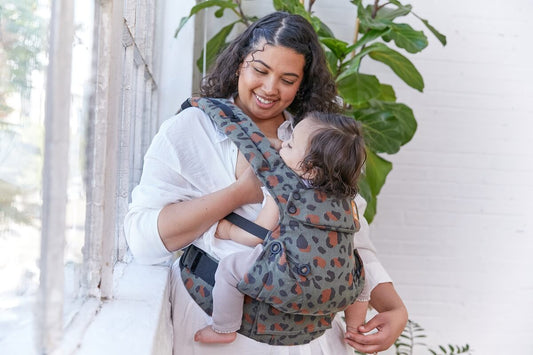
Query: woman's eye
point(289, 82)
point(259, 70)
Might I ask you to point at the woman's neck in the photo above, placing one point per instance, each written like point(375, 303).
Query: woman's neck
point(270, 129)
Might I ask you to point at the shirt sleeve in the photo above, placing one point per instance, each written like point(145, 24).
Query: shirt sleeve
point(375, 273)
point(183, 162)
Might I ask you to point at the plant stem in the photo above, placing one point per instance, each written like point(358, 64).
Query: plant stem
point(240, 13)
point(311, 3)
point(411, 338)
point(376, 8)
point(356, 33)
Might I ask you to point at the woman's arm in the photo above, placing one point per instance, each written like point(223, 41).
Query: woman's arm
point(392, 316)
point(389, 322)
point(181, 223)
point(188, 181)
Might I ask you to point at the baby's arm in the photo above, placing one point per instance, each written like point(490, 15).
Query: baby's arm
point(268, 218)
point(355, 315)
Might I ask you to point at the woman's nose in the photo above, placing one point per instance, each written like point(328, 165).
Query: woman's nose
point(269, 86)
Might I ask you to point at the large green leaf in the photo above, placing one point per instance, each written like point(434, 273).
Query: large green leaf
point(291, 6)
point(337, 47)
point(386, 13)
point(332, 61)
point(352, 65)
point(404, 36)
point(364, 190)
point(398, 63)
point(387, 93)
point(357, 88)
point(375, 174)
point(440, 36)
point(214, 46)
point(381, 130)
point(367, 22)
point(322, 30)
point(406, 121)
point(223, 4)
point(369, 36)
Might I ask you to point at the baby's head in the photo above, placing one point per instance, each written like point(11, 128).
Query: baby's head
point(328, 150)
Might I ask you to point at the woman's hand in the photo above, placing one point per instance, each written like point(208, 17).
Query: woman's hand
point(388, 324)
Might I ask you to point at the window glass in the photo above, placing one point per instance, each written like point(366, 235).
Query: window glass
point(24, 43)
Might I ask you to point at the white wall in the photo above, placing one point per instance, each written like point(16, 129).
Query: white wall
point(454, 218)
point(175, 81)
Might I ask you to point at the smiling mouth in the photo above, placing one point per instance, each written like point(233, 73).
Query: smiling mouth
point(263, 100)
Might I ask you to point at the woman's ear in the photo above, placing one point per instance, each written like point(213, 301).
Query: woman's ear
point(238, 72)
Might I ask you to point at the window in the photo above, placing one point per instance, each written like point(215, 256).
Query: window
point(58, 254)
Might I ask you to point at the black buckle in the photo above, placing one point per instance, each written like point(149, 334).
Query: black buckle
point(199, 263)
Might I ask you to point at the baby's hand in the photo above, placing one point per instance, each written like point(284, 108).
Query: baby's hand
point(223, 229)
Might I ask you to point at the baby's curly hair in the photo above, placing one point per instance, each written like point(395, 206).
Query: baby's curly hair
point(336, 154)
point(317, 91)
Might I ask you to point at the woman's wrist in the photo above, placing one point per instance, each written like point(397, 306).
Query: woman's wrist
point(242, 194)
point(385, 298)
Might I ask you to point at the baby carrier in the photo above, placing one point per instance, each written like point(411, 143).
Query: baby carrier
point(308, 269)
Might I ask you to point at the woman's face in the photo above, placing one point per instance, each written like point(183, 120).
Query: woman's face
point(268, 81)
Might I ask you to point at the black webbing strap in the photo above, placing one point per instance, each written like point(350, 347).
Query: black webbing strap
point(202, 264)
point(247, 225)
point(199, 263)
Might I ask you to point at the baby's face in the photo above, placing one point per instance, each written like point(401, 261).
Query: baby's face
point(293, 150)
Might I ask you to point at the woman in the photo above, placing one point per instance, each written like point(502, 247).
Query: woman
point(192, 178)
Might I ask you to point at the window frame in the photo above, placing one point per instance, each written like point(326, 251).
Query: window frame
point(123, 117)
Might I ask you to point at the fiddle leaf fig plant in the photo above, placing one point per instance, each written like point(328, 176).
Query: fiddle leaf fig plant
point(379, 36)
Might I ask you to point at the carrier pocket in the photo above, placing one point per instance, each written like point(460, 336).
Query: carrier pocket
point(276, 279)
point(274, 327)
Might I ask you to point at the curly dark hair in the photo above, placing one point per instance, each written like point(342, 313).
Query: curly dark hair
point(336, 154)
point(317, 91)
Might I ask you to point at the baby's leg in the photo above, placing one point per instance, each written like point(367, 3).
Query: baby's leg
point(227, 299)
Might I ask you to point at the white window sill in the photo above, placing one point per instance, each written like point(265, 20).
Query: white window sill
point(137, 320)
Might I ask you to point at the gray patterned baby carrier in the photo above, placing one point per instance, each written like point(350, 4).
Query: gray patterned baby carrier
point(308, 269)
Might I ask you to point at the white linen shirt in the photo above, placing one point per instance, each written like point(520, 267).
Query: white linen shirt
point(187, 159)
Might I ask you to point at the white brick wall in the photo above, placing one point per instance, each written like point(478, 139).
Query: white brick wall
point(454, 218)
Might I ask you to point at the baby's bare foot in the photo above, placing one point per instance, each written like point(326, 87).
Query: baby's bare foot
point(208, 335)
